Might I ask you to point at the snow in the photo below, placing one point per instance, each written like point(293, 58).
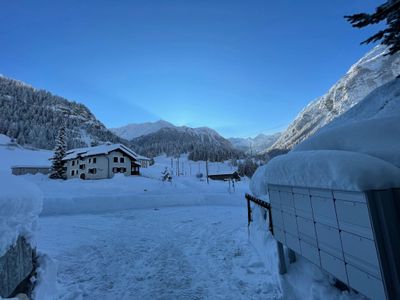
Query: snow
point(20, 205)
point(332, 169)
point(13, 154)
point(357, 152)
point(4, 140)
point(132, 131)
point(45, 279)
point(101, 149)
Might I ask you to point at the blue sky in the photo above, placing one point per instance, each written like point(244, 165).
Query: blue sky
point(240, 67)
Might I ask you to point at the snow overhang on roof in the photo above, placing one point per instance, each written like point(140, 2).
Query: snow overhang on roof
point(141, 157)
point(98, 150)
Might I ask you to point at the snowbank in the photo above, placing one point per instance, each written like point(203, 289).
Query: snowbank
point(76, 196)
point(376, 137)
point(259, 184)
point(4, 140)
point(358, 151)
point(338, 170)
point(20, 205)
point(46, 278)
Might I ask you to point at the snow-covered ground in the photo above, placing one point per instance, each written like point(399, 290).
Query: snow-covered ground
point(162, 253)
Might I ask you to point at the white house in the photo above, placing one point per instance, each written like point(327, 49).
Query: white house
point(101, 162)
point(144, 161)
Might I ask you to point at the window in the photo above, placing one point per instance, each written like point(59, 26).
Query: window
point(73, 163)
point(115, 159)
point(72, 173)
point(82, 166)
point(94, 160)
point(122, 159)
point(90, 160)
point(118, 170)
point(92, 171)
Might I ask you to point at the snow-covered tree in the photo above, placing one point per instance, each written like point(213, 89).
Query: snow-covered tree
point(57, 168)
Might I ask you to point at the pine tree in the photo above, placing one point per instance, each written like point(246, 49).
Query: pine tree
point(57, 168)
point(390, 36)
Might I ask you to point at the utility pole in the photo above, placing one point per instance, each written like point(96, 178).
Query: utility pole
point(207, 171)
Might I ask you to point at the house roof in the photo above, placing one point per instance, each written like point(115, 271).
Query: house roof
point(31, 166)
point(143, 157)
point(101, 149)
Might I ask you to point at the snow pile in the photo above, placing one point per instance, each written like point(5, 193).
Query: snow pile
point(379, 138)
point(20, 205)
point(358, 151)
point(339, 170)
point(46, 278)
point(4, 140)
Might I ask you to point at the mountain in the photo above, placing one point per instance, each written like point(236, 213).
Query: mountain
point(254, 145)
point(33, 117)
point(132, 131)
point(201, 143)
point(370, 72)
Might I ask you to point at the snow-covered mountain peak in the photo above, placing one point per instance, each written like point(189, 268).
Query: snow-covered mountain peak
point(257, 144)
point(370, 72)
point(135, 130)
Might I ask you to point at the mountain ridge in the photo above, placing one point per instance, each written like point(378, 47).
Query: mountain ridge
point(370, 72)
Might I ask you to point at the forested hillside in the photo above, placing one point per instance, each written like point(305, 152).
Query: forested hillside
point(34, 117)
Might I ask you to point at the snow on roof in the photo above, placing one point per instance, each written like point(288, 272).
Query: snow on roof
point(101, 149)
point(141, 157)
point(359, 151)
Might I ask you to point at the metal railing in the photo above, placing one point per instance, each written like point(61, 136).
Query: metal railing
point(261, 203)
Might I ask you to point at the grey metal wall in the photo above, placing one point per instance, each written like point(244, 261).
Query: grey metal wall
point(333, 230)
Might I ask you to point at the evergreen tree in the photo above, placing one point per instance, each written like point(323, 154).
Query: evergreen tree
point(57, 168)
point(389, 12)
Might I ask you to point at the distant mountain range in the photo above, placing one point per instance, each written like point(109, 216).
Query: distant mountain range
point(255, 145)
point(161, 136)
point(201, 143)
point(135, 130)
point(369, 73)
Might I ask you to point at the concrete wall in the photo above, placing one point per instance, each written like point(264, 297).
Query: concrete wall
point(15, 266)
